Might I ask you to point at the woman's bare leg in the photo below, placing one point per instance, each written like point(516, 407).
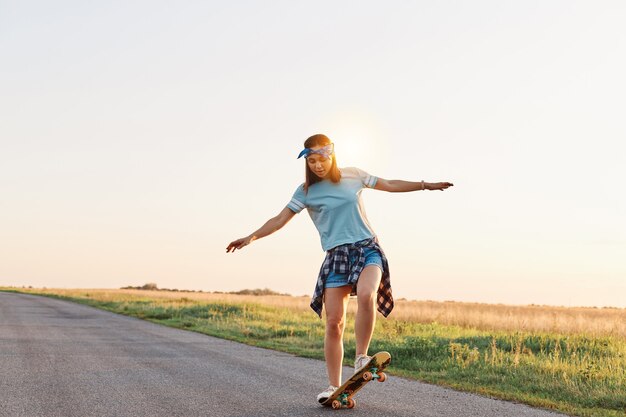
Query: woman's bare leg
point(335, 302)
point(367, 290)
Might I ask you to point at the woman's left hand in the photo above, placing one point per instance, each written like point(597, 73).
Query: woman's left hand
point(441, 185)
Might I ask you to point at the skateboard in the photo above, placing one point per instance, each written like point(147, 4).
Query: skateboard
point(342, 397)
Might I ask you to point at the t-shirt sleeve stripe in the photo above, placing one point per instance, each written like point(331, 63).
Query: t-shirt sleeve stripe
point(366, 179)
point(370, 181)
point(295, 206)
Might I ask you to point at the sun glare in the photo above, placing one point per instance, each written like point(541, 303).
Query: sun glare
point(359, 146)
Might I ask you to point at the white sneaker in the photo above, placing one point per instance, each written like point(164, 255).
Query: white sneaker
point(323, 396)
point(360, 362)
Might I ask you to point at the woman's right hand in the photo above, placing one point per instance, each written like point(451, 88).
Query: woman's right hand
point(238, 244)
point(268, 228)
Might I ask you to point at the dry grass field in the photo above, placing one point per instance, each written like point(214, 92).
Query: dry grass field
point(548, 319)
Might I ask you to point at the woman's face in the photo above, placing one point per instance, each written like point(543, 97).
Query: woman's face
point(318, 164)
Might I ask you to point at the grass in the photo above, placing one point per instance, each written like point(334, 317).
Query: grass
point(569, 360)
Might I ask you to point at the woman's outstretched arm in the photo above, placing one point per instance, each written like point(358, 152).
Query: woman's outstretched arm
point(400, 186)
point(270, 226)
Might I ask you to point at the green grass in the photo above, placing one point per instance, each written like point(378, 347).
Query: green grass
point(575, 374)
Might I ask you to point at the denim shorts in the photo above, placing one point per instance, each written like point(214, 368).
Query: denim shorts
point(372, 257)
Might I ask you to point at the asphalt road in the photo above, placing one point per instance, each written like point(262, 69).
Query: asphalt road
point(63, 359)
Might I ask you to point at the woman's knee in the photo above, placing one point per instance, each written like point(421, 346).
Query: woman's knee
point(366, 300)
point(334, 326)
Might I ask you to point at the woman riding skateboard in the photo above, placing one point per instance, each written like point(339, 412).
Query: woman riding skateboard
point(355, 264)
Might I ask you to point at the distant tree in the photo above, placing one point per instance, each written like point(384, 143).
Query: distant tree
point(258, 291)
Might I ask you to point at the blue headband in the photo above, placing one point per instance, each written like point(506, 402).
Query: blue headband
point(326, 151)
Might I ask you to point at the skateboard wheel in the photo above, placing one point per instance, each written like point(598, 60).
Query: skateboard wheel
point(336, 404)
point(382, 377)
point(367, 376)
point(351, 403)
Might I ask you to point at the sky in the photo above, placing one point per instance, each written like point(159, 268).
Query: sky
point(138, 138)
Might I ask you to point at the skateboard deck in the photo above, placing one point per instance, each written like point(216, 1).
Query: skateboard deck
point(342, 397)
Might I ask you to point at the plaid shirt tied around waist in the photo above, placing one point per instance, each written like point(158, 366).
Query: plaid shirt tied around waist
point(338, 260)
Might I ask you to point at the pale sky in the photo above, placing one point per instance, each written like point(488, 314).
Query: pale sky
point(138, 138)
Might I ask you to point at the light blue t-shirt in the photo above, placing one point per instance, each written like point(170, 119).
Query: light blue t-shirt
point(336, 208)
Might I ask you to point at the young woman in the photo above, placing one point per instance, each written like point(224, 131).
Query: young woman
point(355, 264)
